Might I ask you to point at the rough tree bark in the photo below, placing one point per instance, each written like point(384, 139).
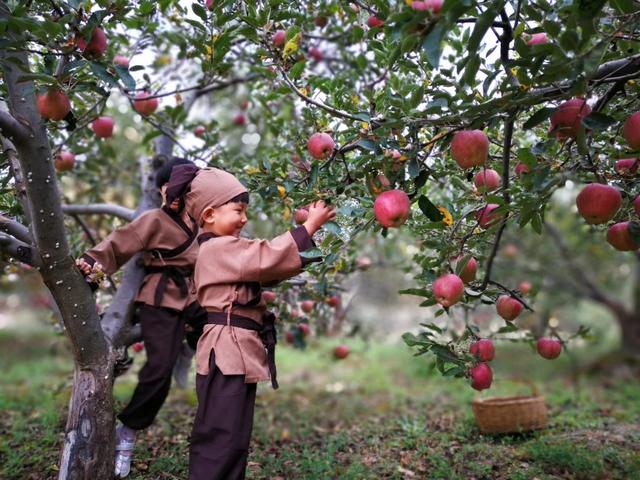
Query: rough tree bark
point(88, 433)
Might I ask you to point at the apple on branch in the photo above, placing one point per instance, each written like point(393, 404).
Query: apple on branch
point(102, 127)
point(549, 348)
point(470, 148)
point(483, 350)
point(392, 208)
point(481, 376)
point(64, 161)
point(620, 238)
point(508, 307)
point(468, 273)
point(487, 180)
point(320, 145)
point(96, 46)
point(567, 119)
point(54, 105)
point(307, 306)
point(598, 203)
point(144, 105)
point(448, 289)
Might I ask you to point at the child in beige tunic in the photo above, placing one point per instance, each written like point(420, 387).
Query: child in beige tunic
point(236, 348)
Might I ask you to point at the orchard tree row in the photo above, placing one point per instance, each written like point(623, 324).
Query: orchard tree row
point(451, 122)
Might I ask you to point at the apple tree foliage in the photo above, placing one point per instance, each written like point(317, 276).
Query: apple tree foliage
point(406, 86)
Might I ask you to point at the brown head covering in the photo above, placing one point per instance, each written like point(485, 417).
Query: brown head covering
point(212, 187)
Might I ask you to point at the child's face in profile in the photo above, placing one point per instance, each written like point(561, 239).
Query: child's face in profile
point(226, 220)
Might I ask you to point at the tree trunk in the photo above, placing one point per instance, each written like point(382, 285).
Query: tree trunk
point(630, 331)
point(86, 454)
point(89, 424)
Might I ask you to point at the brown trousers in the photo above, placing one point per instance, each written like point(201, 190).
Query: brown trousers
point(222, 428)
point(162, 332)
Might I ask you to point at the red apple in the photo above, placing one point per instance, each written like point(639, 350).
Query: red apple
point(54, 105)
point(137, 347)
point(485, 216)
point(315, 53)
point(598, 203)
point(199, 131)
point(470, 148)
point(341, 351)
point(525, 287)
point(434, 5)
point(239, 119)
point(511, 250)
point(619, 237)
point(487, 180)
point(320, 145)
point(468, 273)
point(521, 169)
point(307, 306)
point(289, 336)
point(508, 307)
point(102, 127)
point(321, 21)
point(549, 348)
point(537, 39)
point(481, 376)
point(631, 131)
point(278, 38)
point(333, 300)
point(295, 313)
point(374, 22)
point(483, 350)
point(636, 205)
point(626, 167)
point(300, 216)
point(392, 208)
point(64, 161)
point(121, 60)
point(269, 296)
point(566, 120)
point(144, 105)
point(96, 46)
point(448, 289)
point(363, 263)
point(210, 4)
point(304, 329)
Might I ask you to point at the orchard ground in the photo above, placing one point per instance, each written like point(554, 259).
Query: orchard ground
point(377, 414)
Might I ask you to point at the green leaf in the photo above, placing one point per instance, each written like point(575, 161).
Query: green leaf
point(432, 326)
point(624, 6)
point(538, 117)
point(483, 23)
point(634, 231)
point(126, 77)
point(598, 121)
point(510, 327)
point(368, 144)
point(103, 74)
point(311, 253)
point(429, 209)
point(199, 10)
point(416, 97)
point(297, 69)
point(432, 44)
point(419, 292)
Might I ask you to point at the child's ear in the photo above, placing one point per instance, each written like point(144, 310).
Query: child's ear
point(208, 215)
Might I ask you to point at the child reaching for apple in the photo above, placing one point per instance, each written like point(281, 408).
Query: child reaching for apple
point(237, 346)
point(166, 238)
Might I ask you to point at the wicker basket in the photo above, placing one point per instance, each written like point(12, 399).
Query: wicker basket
point(510, 414)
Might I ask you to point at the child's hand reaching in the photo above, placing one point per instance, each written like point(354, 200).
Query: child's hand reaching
point(92, 274)
point(319, 214)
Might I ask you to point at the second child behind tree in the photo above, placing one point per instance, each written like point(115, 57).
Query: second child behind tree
point(237, 347)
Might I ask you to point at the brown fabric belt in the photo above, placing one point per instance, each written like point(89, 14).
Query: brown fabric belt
point(266, 332)
point(169, 272)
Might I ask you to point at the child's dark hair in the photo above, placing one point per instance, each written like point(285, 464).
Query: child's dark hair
point(240, 198)
point(164, 173)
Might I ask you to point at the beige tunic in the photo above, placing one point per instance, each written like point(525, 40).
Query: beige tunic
point(154, 229)
point(224, 269)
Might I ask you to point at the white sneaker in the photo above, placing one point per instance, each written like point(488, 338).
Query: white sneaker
point(125, 441)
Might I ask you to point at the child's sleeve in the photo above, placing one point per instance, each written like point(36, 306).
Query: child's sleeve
point(263, 260)
point(121, 244)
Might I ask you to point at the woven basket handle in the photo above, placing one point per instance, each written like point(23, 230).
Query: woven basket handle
point(534, 390)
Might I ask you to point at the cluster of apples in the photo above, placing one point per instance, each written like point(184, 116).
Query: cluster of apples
point(484, 351)
point(54, 104)
point(599, 203)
